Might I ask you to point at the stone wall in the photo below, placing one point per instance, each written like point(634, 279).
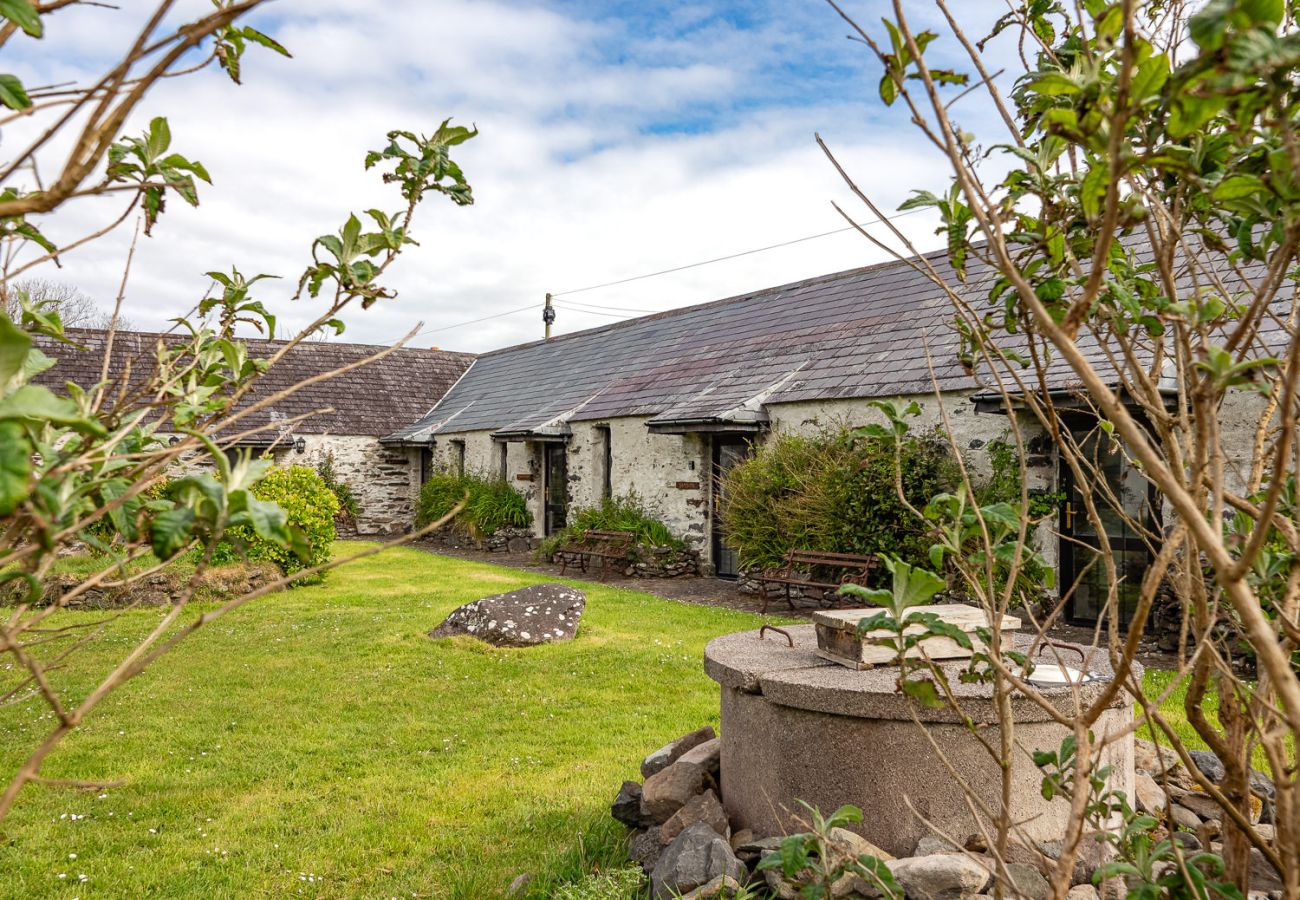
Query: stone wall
point(671, 473)
point(384, 480)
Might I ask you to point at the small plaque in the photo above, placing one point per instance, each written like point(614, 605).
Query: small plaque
point(524, 477)
point(688, 485)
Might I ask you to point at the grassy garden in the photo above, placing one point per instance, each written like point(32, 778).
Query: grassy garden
point(318, 744)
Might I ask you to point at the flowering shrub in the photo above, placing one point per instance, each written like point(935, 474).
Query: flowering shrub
point(310, 506)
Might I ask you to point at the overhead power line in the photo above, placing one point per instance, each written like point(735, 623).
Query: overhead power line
point(718, 259)
point(617, 311)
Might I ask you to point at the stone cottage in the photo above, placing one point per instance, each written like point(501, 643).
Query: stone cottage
point(365, 404)
point(665, 404)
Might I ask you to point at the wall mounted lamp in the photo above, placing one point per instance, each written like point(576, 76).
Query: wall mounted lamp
point(300, 445)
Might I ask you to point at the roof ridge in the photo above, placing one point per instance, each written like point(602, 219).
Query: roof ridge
point(273, 341)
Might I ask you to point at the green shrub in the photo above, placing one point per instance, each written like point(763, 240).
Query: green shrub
point(626, 513)
point(833, 492)
point(310, 507)
point(493, 504)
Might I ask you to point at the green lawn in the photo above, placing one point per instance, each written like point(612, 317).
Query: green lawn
point(319, 735)
point(317, 744)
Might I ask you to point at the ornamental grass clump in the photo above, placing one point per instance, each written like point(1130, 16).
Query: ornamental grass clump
point(492, 504)
point(833, 492)
point(627, 513)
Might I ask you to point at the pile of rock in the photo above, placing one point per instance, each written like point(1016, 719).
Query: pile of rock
point(682, 838)
point(160, 589)
point(1166, 790)
point(664, 562)
point(504, 540)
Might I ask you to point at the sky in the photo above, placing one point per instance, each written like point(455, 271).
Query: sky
point(616, 139)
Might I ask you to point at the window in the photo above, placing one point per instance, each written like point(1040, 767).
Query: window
point(605, 454)
point(458, 457)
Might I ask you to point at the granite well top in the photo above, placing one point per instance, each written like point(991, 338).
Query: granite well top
point(797, 677)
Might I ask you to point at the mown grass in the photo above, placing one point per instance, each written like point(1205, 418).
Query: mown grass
point(316, 743)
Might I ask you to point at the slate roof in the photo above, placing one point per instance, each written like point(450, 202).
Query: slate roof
point(863, 333)
point(374, 399)
point(860, 333)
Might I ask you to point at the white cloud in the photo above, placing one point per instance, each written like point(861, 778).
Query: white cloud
point(577, 178)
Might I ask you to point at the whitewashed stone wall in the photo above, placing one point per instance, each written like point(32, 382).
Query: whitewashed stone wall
point(384, 480)
point(670, 473)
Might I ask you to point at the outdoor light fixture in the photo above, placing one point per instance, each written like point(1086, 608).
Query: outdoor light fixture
point(300, 445)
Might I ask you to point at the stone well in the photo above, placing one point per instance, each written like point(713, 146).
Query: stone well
point(797, 727)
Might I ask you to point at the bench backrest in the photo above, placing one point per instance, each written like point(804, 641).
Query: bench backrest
point(608, 540)
point(841, 560)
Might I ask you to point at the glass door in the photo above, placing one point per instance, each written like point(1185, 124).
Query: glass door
point(556, 493)
point(1125, 505)
point(728, 451)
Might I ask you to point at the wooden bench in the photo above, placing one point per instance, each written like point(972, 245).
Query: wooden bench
point(606, 546)
point(814, 570)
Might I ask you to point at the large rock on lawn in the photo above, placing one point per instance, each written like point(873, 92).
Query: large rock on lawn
point(537, 614)
point(694, 858)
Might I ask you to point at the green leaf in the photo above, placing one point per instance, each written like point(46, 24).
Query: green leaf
point(924, 692)
point(15, 466)
point(36, 403)
point(15, 344)
point(23, 14)
point(12, 92)
point(160, 137)
point(270, 43)
point(1236, 187)
point(1054, 84)
point(171, 530)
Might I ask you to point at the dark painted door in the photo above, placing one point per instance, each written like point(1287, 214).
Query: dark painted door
point(556, 494)
point(1124, 507)
point(727, 452)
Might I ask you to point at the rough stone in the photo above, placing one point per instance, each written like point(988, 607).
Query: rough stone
point(667, 791)
point(1028, 881)
point(741, 838)
point(706, 808)
point(1184, 817)
point(1201, 804)
point(939, 875)
point(1263, 877)
point(1151, 797)
point(852, 844)
point(930, 844)
point(537, 614)
point(1089, 857)
point(752, 850)
point(1153, 759)
point(724, 887)
point(627, 805)
point(669, 753)
point(519, 886)
point(1191, 843)
point(1208, 763)
point(707, 755)
point(1082, 892)
point(646, 847)
point(694, 858)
